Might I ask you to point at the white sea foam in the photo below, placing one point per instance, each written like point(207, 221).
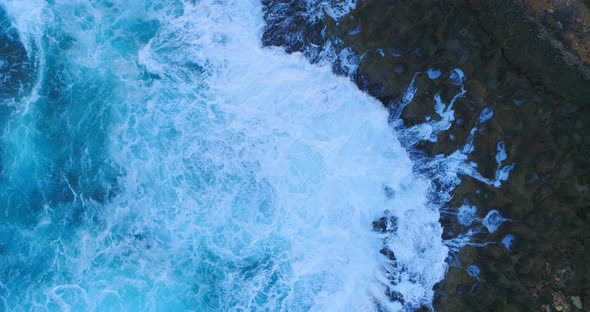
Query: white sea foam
point(336, 9)
point(249, 178)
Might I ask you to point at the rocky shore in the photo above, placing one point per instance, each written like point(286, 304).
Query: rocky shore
point(529, 62)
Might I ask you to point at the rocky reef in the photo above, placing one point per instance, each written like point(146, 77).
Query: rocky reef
point(527, 61)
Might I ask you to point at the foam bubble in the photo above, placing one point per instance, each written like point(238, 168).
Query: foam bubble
point(493, 220)
point(433, 74)
point(466, 214)
point(507, 241)
point(473, 271)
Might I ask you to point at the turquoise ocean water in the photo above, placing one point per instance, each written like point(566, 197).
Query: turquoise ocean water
point(155, 157)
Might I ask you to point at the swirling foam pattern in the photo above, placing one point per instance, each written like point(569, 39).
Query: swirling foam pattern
point(162, 160)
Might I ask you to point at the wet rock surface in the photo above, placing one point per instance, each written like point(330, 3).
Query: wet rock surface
point(521, 64)
point(566, 25)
